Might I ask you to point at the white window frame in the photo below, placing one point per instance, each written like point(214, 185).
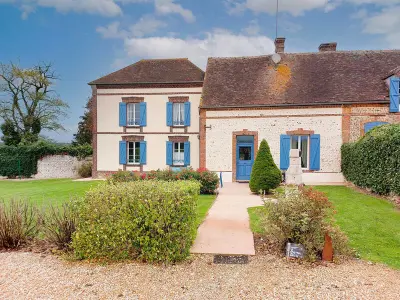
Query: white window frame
point(299, 147)
point(181, 161)
point(136, 160)
point(181, 114)
point(131, 119)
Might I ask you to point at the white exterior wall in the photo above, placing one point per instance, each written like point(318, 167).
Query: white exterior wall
point(270, 124)
point(155, 133)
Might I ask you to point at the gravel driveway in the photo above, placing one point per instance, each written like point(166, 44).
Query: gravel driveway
point(33, 276)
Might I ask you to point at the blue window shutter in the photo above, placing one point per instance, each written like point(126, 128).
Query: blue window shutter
point(187, 113)
point(370, 125)
point(284, 152)
point(169, 113)
point(315, 152)
point(394, 94)
point(143, 114)
point(122, 114)
point(187, 153)
point(143, 153)
point(122, 153)
point(170, 146)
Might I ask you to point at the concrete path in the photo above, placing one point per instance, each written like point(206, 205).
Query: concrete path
point(226, 229)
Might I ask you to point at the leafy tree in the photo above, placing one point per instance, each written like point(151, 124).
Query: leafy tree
point(265, 175)
point(85, 126)
point(30, 105)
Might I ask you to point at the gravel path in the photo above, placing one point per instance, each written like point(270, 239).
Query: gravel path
point(33, 276)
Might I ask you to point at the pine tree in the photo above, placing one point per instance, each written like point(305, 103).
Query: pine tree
point(265, 175)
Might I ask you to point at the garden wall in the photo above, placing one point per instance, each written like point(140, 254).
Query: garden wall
point(58, 166)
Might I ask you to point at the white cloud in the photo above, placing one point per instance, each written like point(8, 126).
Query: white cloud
point(165, 7)
point(387, 23)
point(112, 31)
point(297, 7)
point(146, 25)
point(217, 43)
point(253, 28)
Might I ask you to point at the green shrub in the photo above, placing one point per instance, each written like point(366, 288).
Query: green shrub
point(22, 160)
point(150, 220)
point(18, 224)
point(85, 170)
point(209, 181)
point(59, 223)
point(302, 216)
point(265, 175)
point(374, 161)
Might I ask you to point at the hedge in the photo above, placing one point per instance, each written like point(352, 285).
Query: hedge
point(22, 160)
point(152, 220)
point(373, 162)
point(209, 181)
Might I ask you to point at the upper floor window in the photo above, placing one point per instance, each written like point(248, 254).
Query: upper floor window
point(300, 142)
point(178, 114)
point(133, 114)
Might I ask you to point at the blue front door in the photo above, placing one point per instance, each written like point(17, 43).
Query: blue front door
point(244, 160)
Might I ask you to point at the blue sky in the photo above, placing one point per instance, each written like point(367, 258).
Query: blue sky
point(86, 39)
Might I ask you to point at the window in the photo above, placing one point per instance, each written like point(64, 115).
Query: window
point(301, 143)
point(133, 153)
point(133, 114)
point(178, 114)
point(179, 154)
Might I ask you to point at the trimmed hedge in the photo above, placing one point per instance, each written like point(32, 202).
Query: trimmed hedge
point(373, 162)
point(209, 180)
point(265, 175)
point(153, 221)
point(22, 160)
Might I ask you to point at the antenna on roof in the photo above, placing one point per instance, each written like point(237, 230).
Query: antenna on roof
point(277, 12)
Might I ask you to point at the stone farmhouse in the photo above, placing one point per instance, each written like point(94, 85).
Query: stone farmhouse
point(168, 113)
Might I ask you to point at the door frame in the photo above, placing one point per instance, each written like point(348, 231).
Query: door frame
point(235, 134)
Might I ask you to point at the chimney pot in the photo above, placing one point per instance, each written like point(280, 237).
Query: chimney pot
point(280, 45)
point(326, 47)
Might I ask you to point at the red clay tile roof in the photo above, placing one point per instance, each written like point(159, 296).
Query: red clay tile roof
point(179, 70)
point(299, 79)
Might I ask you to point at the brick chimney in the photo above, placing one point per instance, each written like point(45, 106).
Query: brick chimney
point(327, 47)
point(280, 45)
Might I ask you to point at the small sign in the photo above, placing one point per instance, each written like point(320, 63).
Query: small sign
point(295, 250)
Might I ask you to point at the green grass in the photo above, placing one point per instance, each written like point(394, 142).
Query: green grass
point(372, 224)
point(57, 191)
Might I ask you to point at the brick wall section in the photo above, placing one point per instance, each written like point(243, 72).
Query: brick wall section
point(203, 144)
point(234, 144)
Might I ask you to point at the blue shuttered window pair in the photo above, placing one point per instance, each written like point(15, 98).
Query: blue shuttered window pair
point(123, 114)
point(315, 152)
point(171, 155)
point(123, 153)
point(175, 117)
point(370, 125)
point(394, 94)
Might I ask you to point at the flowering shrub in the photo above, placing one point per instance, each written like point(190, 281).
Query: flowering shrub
point(303, 216)
point(209, 180)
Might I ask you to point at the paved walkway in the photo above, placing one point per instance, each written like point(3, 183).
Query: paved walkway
point(226, 230)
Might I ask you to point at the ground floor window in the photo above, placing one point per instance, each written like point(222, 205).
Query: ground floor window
point(133, 149)
point(300, 142)
point(179, 154)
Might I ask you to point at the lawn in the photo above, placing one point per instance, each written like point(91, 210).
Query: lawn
point(372, 224)
point(57, 191)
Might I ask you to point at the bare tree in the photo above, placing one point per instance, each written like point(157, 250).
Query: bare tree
point(29, 103)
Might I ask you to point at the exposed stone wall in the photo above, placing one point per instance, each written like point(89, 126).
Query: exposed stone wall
point(58, 166)
point(270, 124)
point(364, 114)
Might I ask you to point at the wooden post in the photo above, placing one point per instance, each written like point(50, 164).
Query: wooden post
point(327, 253)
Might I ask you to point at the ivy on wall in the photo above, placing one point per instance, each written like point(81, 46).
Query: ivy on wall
point(22, 160)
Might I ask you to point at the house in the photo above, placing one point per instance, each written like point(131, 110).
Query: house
point(146, 117)
point(313, 102)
